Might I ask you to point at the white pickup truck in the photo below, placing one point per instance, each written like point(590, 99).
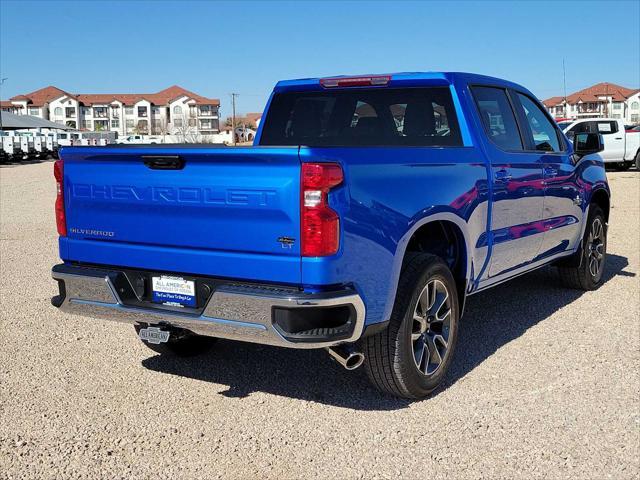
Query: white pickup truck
point(138, 139)
point(621, 149)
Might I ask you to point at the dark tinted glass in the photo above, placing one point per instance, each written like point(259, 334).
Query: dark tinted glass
point(497, 117)
point(543, 133)
point(363, 116)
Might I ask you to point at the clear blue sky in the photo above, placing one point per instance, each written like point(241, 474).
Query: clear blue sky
point(215, 48)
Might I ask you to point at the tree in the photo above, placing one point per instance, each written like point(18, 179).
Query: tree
point(185, 129)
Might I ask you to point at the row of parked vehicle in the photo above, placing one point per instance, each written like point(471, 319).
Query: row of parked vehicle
point(19, 145)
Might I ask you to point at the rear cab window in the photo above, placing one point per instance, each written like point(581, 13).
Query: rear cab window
point(363, 117)
point(497, 117)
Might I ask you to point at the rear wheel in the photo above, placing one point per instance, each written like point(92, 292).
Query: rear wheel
point(411, 357)
point(181, 343)
point(593, 253)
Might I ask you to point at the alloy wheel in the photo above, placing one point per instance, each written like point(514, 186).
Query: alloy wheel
point(596, 248)
point(430, 327)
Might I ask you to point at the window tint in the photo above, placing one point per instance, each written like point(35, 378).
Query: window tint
point(363, 116)
point(603, 127)
point(544, 134)
point(497, 117)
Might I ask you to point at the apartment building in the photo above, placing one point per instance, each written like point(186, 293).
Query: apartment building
point(600, 100)
point(172, 111)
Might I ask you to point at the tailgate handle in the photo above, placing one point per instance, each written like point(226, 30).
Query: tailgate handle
point(163, 162)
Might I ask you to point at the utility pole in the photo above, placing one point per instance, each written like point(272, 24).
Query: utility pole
point(233, 117)
point(1, 83)
point(564, 81)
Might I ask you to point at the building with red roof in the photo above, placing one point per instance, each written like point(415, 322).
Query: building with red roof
point(174, 110)
point(602, 100)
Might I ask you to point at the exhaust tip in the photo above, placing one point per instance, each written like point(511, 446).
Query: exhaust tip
point(354, 361)
point(346, 357)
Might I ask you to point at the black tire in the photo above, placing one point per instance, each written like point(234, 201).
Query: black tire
point(182, 343)
point(623, 166)
point(582, 276)
point(390, 355)
point(638, 160)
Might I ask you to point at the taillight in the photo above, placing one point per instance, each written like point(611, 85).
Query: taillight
point(368, 81)
point(320, 225)
point(61, 221)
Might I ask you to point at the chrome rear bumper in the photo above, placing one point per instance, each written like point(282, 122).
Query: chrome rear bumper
point(236, 312)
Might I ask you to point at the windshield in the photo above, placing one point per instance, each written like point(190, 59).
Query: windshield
point(363, 116)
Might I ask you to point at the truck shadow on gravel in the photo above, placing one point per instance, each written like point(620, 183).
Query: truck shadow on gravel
point(492, 319)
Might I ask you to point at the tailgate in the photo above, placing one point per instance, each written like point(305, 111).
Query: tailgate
point(234, 202)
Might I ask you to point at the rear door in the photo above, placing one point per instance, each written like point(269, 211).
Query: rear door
point(518, 193)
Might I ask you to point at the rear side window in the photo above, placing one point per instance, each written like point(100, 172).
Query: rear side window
point(363, 117)
point(497, 117)
point(605, 127)
point(542, 133)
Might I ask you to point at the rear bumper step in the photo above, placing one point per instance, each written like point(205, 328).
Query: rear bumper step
point(248, 313)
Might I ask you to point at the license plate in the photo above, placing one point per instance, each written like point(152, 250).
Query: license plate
point(153, 335)
point(174, 291)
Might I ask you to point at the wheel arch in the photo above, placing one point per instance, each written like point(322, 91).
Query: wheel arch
point(430, 234)
point(601, 198)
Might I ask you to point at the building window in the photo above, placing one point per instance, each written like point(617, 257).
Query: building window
point(71, 124)
point(634, 105)
point(155, 110)
point(192, 122)
point(86, 124)
point(617, 105)
point(193, 111)
point(177, 122)
point(128, 111)
point(100, 112)
point(129, 123)
point(205, 124)
point(206, 110)
point(115, 123)
point(142, 111)
point(58, 111)
point(70, 112)
point(34, 111)
point(85, 111)
point(143, 126)
point(635, 118)
point(177, 110)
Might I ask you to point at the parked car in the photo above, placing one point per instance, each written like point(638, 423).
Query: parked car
point(621, 148)
point(141, 139)
point(360, 233)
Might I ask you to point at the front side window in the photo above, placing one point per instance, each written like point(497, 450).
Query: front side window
point(363, 117)
point(542, 132)
point(497, 117)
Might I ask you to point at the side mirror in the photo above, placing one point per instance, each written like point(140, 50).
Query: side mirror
point(587, 143)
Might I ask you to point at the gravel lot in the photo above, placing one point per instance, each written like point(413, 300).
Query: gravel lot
point(545, 384)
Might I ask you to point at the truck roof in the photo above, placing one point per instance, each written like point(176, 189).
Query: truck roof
point(404, 79)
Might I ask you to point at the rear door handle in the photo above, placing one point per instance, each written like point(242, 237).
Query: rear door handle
point(503, 176)
point(163, 162)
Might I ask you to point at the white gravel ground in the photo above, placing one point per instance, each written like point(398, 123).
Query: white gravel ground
point(546, 382)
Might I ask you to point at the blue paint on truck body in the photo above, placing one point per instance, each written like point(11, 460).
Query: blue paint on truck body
point(224, 214)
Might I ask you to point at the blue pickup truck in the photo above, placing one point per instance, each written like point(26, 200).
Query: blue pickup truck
point(368, 210)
